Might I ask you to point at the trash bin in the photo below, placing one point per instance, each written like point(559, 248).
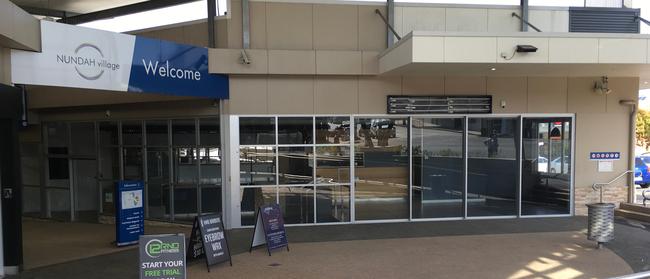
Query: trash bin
point(601, 222)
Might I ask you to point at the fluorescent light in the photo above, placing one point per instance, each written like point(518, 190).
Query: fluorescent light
point(158, 17)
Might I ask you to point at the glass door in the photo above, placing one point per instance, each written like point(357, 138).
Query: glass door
point(438, 180)
point(86, 191)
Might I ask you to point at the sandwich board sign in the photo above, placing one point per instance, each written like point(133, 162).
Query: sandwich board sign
point(269, 228)
point(208, 240)
point(129, 215)
point(162, 256)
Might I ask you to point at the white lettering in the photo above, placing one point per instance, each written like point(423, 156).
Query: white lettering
point(171, 72)
point(151, 67)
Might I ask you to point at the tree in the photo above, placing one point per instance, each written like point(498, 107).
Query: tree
point(643, 128)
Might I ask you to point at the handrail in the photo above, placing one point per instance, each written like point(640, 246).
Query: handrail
point(647, 22)
point(387, 24)
point(599, 186)
point(526, 21)
point(638, 275)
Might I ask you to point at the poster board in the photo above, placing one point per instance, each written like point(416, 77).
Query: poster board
point(162, 256)
point(129, 212)
point(269, 229)
point(208, 240)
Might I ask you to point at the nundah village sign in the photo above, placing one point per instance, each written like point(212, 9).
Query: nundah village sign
point(269, 229)
point(208, 240)
point(162, 256)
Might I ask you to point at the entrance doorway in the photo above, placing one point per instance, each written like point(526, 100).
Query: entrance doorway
point(85, 190)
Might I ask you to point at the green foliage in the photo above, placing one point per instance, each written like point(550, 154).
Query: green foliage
point(643, 128)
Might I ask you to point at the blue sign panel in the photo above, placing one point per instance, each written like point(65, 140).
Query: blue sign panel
point(174, 69)
point(269, 228)
point(129, 215)
point(605, 156)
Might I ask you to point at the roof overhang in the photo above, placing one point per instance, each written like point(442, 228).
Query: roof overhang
point(493, 54)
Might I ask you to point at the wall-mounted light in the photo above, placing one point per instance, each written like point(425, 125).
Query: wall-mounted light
point(602, 86)
point(519, 49)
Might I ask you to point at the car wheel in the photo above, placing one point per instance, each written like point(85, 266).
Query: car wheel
point(644, 185)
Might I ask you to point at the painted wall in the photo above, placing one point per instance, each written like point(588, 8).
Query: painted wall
point(601, 123)
point(5, 66)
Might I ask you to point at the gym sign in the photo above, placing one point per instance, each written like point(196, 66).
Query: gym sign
point(80, 57)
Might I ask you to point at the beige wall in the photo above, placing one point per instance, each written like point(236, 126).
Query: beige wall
point(601, 123)
point(5, 66)
point(18, 29)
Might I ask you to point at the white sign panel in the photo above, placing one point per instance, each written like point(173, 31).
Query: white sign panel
point(76, 57)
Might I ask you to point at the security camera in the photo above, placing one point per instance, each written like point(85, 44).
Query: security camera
point(244, 57)
point(602, 86)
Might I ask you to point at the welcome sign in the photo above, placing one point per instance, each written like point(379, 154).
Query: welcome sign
point(80, 57)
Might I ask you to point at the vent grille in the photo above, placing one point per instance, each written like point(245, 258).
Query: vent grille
point(604, 20)
point(439, 104)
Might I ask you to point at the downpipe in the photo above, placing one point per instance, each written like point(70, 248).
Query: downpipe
point(631, 148)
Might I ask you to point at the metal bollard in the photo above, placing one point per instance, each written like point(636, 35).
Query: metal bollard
point(601, 222)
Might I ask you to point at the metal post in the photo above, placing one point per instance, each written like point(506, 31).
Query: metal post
point(246, 29)
point(390, 14)
point(524, 15)
point(212, 11)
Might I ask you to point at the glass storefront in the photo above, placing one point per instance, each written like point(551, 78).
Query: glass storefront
point(332, 169)
point(178, 159)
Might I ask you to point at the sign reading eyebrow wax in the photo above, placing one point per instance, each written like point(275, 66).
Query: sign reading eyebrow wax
point(80, 57)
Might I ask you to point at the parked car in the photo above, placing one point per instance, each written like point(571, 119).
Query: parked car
point(641, 171)
point(556, 165)
point(542, 164)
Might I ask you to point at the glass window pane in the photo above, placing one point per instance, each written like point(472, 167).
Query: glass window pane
point(185, 203)
point(183, 132)
point(256, 130)
point(296, 165)
point(158, 165)
point(158, 201)
point(210, 165)
point(31, 201)
point(133, 163)
point(332, 164)
point(108, 197)
point(58, 169)
point(257, 165)
point(297, 204)
point(108, 134)
point(209, 131)
point(57, 135)
point(82, 139)
point(332, 130)
point(438, 180)
point(493, 148)
point(332, 203)
point(382, 174)
point(546, 168)
point(295, 130)
point(252, 199)
point(132, 133)
point(210, 200)
point(185, 168)
point(110, 163)
point(157, 133)
point(59, 202)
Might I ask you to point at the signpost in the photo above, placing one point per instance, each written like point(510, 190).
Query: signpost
point(129, 215)
point(209, 239)
point(162, 256)
point(269, 228)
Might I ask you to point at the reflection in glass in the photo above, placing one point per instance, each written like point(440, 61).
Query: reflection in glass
point(492, 180)
point(158, 164)
point(296, 165)
point(332, 203)
point(158, 201)
point(108, 134)
point(438, 179)
point(57, 135)
point(132, 163)
point(183, 132)
point(185, 168)
point(157, 133)
point(253, 198)
point(332, 164)
point(332, 130)
point(210, 165)
point(256, 130)
point(110, 163)
point(132, 133)
point(382, 174)
point(297, 204)
point(209, 131)
point(546, 168)
point(295, 130)
point(185, 203)
point(210, 200)
point(257, 165)
point(82, 139)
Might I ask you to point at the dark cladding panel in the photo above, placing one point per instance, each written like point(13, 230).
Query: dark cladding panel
point(439, 104)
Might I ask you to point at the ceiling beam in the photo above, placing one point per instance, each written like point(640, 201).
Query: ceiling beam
point(48, 12)
point(123, 10)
